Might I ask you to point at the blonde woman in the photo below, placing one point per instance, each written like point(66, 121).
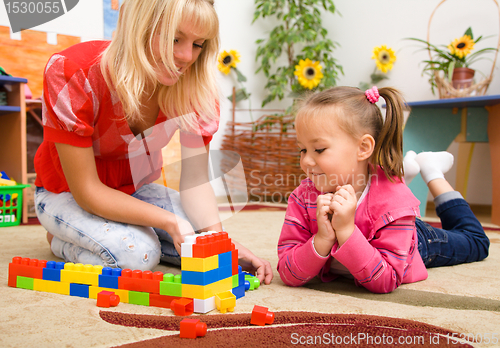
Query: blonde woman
point(108, 109)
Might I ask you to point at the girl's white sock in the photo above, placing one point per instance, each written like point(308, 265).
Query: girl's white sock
point(433, 165)
point(410, 166)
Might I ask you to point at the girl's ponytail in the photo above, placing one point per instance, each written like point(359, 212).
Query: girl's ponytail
point(388, 152)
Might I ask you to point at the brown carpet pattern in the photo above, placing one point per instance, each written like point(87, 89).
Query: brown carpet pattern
point(290, 329)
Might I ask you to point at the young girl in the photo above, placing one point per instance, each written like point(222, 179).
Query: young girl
point(354, 216)
point(108, 110)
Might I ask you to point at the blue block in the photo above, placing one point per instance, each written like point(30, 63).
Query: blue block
point(80, 290)
point(200, 278)
point(241, 278)
point(109, 277)
point(225, 259)
point(225, 272)
point(52, 271)
point(239, 291)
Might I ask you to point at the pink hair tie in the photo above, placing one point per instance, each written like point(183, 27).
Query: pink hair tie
point(372, 94)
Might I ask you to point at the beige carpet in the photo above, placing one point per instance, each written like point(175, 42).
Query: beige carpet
point(464, 298)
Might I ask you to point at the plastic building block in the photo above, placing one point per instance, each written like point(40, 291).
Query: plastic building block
point(201, 278)
point(234, 256)
point(81, 274)
point(140, 281)
point(225, 301)
point(107, 299)
point(25, 267)
point(182, 306)
point(109, 277)
point(201, 249)
point(192, 328)
point(157, 300)
point(171, 285)
point(187, 246)
point(261, 316)
point(196, 264)
point(52, 271)
point(138, 298)
point(239, 291)
point(95, 290)
point(204, 306)
point(205, 291)
point(253, 281)
point(25, 283)
point(80, 290)
point(51, 286)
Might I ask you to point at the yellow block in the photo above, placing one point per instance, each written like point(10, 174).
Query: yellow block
point(94, 290)
point(51, 286)
point(81, 274)
point(225, 301)
point(203, 292)
point(198, 264)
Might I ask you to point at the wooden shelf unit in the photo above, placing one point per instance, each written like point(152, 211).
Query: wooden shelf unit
point(13, 159)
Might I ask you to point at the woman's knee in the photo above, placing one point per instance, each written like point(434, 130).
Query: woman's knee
point(140, 251)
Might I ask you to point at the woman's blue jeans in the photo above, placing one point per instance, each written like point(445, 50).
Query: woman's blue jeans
point(460, 240)
point(81, 237)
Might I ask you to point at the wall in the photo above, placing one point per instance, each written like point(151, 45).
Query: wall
point(363, 24)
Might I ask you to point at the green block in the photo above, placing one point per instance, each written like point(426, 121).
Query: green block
point(138, 298)
point(171, 285)
point(24, 283)
point(235, 281)
point(254, 281)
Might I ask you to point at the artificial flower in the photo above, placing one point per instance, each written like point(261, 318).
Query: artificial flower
point(309, 73)
point(461, 47)
point(384, 58)
point(228, 60)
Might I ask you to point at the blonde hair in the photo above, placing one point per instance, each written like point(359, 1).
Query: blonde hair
point(357, 116)
point(127, 69)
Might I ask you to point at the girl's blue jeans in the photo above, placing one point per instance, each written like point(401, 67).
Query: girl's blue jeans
point(81, 237)
point(461, 238)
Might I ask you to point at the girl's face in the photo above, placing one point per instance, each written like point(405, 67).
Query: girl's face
point(328, 155)
point(187, 48)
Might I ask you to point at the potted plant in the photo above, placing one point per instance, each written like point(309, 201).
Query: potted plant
point(300, 38)
point(453, 61)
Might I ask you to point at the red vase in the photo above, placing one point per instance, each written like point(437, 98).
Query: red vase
point(462, 78)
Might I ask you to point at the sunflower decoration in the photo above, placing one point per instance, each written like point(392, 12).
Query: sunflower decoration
point(228, 60)
point(461, 47)
point(384, 58)
point(309, 73)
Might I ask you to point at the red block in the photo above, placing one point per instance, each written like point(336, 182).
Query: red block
point(201, 249)
point(107, 299)
point(30, 268)
point(137, 280)
point(192, 328)
point(182, 306)
point(234, 261)
point(261, 316)
point(157, 300)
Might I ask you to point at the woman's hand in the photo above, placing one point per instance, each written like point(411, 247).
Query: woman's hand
point(325, 238)
point(253, 264)
point(343, 206)
point(179, 229)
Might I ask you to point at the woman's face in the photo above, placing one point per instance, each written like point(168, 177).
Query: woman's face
point(187, 48)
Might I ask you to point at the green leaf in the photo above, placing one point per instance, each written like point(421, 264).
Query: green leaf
point(469, 32)
point(450, 70)
point(240, 76)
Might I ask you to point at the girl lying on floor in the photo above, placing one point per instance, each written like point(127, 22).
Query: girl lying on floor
point(354, 216)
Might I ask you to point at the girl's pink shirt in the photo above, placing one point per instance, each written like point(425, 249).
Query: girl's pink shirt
point(381, 253)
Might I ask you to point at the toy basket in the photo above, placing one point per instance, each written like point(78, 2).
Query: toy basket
point(268, 150)
point(11, 205)
point(445, 88)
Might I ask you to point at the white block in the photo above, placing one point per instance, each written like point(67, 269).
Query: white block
point(204, 306)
